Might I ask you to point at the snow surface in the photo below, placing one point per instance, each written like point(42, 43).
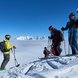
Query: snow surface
point(28, 54)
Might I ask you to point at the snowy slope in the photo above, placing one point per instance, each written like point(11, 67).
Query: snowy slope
point(42, 69)
point(28, 54)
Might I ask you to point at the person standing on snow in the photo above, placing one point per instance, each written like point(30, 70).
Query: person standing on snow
point(72, 26)
point(57, 38)
point(6, 52)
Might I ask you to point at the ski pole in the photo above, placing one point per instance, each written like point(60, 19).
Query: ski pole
point(64, 44)
point(16, 62)
point(49, 44)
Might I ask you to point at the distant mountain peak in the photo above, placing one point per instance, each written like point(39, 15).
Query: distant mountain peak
point(31, 38)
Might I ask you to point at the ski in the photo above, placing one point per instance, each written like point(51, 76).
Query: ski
point(52, 65)
point(57, 59)
point(3, 71)
point(15, 66)
point(28, 68)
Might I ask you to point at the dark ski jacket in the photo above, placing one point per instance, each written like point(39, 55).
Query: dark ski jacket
point(56, 36)
point(72, 27)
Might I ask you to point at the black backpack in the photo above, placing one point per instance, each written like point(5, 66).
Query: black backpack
point(58, 35)
point(2, 44)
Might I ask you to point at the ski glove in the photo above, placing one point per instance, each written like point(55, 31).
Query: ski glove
point(62, 28)
point(49, 37)
point(14, 47)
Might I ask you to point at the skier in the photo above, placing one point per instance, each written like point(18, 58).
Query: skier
point(6, 52)
point(72, 26)
point(57, 38)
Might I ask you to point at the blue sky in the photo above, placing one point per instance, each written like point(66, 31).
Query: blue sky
point(33, 17)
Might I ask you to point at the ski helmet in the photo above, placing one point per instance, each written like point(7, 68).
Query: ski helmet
point(50, 27)
point(71, 14)
point(7, 36)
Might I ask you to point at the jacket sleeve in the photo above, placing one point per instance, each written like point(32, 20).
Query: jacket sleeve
point(67, 26)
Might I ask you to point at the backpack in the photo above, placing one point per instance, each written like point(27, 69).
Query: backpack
point(3, 47)
point(58, 36)
point(2, 44)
